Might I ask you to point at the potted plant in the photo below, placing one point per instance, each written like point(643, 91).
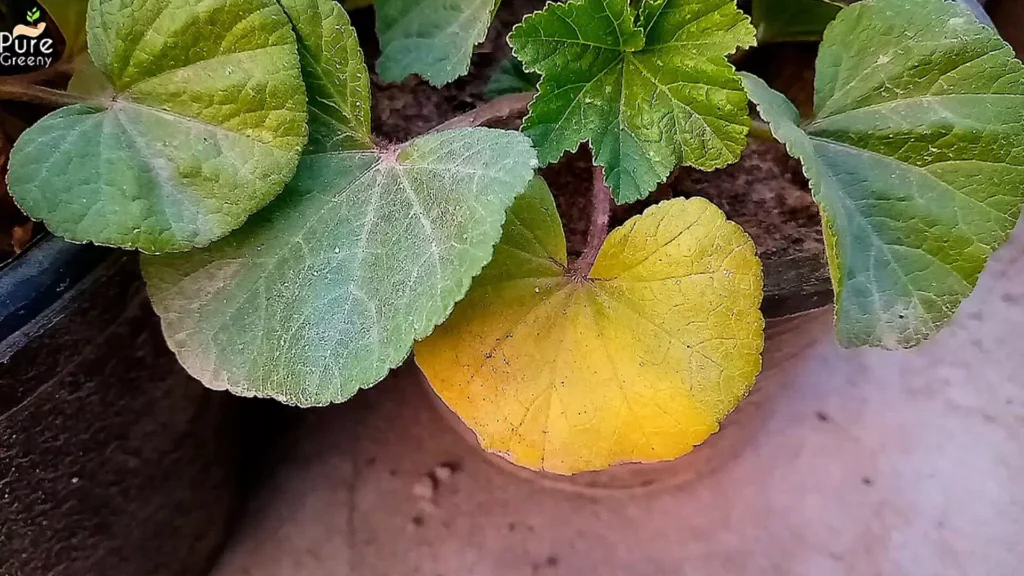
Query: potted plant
point(293, 255)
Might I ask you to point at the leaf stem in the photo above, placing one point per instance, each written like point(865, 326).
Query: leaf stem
point(20, 92)
point(761, 130)
point(600, 211)
point(503, 107)
point(61, 69)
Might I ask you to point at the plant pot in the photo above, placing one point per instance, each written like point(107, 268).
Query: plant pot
point(113, 461)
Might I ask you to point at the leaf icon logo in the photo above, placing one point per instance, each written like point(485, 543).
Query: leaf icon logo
point(32, 31)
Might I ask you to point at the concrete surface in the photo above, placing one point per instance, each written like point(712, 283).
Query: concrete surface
point(852, 462)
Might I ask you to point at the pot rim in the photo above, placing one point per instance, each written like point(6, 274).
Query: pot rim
point(35, 281)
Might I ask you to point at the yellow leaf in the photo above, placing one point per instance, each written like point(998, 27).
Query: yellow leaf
point(637, 363)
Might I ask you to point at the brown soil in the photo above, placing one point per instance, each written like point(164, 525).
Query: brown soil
point(765, 192)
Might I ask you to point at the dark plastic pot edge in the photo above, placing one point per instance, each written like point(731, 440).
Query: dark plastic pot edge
point(35, 285)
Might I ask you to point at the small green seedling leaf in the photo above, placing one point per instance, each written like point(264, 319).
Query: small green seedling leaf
point(33, 15)
point(199, 130)
point(916, 158)
point(639, 362)
point(649, 88)
point(432, 38)
point(793, 20)
point(69, 15)
point(323, 292)
point(510, 78)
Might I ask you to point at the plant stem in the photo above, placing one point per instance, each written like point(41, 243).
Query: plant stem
point(58, 70)
point(600, 211)
point(25, 93)
point(760, 130)
point(503, 107)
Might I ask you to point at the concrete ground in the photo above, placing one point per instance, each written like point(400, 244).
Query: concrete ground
point(844, 462)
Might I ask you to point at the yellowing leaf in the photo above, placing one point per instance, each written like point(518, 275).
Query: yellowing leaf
point(639, 362)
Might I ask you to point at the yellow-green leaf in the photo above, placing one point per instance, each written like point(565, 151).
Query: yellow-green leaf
point(196, 118)
point(638, 362)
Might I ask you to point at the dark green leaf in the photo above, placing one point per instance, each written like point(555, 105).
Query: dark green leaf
point(648, 88)
point(510, 78)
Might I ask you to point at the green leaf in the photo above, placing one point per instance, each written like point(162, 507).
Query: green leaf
point(324, 291)
point(70, 18)
point(793, 20)
point(432, 38)
point(337, 82)
point(638, 362)
point(916, 158)
point(649, 89)
point(510, 78)
point(202, 130)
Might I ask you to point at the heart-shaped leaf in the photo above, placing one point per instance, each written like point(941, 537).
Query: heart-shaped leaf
point(203, 124)
point(649, 88)
point(324, 291)
point(916, 157)
point(432, 38)
point(638, 362)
